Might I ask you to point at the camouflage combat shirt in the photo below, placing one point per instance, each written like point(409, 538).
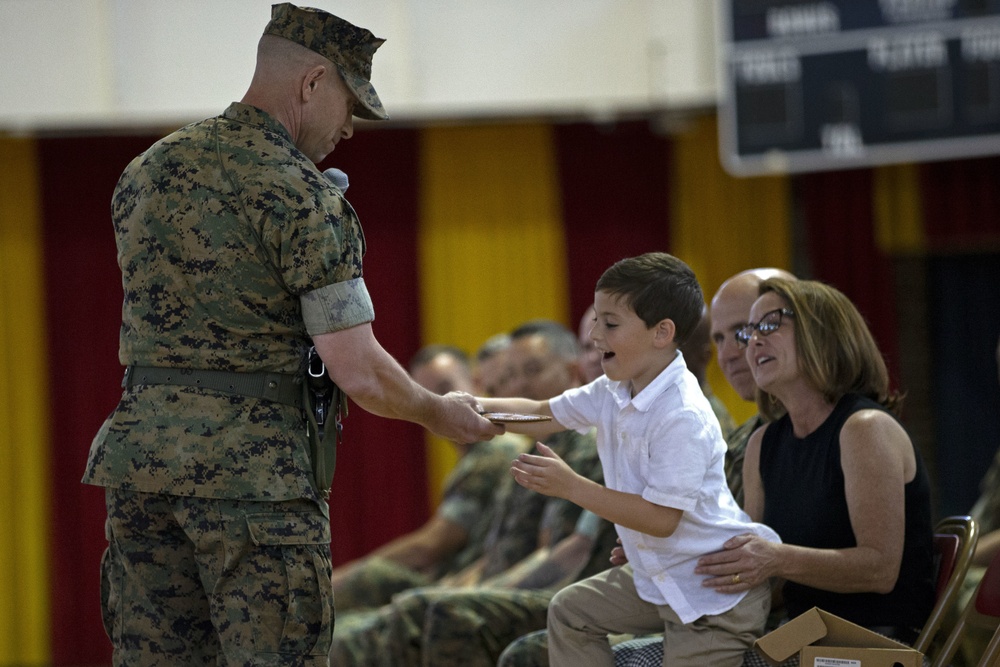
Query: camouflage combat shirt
point(467, 499)
point(234, 249)
point(524, 520)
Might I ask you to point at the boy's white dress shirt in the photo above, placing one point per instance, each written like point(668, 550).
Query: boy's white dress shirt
point(666, 445)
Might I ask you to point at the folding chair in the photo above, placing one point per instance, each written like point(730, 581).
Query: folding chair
point(955, 539)
point(983, 611)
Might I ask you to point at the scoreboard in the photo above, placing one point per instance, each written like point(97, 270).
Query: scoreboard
point(836, 84)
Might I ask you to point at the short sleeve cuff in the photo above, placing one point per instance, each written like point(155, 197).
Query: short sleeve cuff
point(559, 407)
point(685, 504)
point(463, 512)
point(588, 525)
point(337, 307)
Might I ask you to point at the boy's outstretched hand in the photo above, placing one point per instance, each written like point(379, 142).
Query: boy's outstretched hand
point(545, 473)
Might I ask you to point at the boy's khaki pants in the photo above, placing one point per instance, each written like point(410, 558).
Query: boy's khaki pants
point(581, 617)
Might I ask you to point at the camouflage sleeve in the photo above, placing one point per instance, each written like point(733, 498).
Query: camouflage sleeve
point(469, 489)
point(726, 422)
point(579, 451)
point(314, 232)
point(736, 452)
point(605, 539)
point(336, 307)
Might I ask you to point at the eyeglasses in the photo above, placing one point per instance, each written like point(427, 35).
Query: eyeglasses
point(767, 325)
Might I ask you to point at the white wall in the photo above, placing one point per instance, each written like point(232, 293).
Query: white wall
point(79, 64)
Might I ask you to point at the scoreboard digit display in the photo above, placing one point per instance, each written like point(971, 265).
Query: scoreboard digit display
point(836, 84)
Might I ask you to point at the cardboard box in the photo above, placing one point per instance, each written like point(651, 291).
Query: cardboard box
point(825, 640)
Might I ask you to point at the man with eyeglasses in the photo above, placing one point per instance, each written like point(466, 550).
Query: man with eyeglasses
point(730, 309)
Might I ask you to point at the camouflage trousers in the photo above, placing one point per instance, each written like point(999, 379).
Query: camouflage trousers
point(372, 582)
point(441, 627)
point(200, 581)
point(531, 650)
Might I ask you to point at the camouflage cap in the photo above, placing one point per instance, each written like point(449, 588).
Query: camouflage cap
point(347, 46)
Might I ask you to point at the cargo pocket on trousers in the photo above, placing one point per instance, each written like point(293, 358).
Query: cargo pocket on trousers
point(111, 588)
point(291, 596)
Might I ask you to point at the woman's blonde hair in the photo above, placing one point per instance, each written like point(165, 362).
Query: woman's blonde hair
point(836, 351)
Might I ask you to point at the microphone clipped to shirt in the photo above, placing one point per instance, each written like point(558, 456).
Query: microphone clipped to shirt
point(337, 177)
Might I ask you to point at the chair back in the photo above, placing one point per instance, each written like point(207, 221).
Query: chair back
point(955, 539)
point(946, 548)
point(983, 611)
point(988, 597)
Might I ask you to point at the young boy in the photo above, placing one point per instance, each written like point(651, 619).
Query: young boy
point(662, 452)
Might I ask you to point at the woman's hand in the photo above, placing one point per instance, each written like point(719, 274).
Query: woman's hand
point(744, 562)
point(618, 556)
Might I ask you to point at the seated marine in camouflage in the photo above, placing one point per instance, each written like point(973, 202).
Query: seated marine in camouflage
point(535, 545)
point(453, 537)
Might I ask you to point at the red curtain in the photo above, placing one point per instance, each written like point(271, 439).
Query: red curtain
point(83, 311)
point(960, 201)
point(614, 186)
point(380, 487)
point(838, 219)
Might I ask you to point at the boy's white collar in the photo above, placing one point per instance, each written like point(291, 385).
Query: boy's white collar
point(667, 377)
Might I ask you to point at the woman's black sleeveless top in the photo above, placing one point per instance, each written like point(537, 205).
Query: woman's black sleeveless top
point(805, 502)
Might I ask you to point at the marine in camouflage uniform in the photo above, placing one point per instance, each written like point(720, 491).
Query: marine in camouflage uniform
point(522, 522)
point(467, 502)
point(234, 251)
point(737, 441)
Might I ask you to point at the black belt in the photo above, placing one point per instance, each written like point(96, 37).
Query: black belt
point(278, 387)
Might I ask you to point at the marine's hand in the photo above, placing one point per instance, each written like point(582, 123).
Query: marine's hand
point(545, 473)
point(459, 420)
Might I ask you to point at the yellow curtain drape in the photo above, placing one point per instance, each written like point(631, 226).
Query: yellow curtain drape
point(899, 220)
point(24, 441)
point(722, 225)
point(491, 244)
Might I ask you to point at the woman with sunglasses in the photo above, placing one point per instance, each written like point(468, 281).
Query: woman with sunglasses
point(833, 472)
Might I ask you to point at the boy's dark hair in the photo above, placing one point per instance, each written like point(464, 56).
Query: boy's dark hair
point(560, 340)
point(657, 286)
point(425, 354)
